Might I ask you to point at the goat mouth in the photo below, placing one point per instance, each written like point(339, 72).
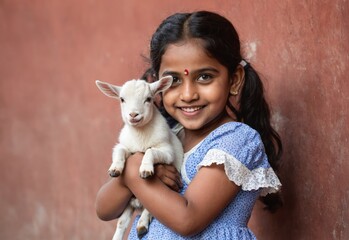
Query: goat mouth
point(135, 121)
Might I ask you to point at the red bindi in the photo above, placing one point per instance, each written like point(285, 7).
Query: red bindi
point(186, 72)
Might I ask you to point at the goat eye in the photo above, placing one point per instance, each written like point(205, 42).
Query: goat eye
point(122, 100)
point(148, 99)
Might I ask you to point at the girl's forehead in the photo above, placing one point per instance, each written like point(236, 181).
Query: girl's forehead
point(186, 55)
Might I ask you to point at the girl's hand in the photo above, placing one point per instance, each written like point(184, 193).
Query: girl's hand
point(205, 198)
point(169, 175)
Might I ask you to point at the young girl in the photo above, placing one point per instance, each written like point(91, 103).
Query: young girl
point(230, 146)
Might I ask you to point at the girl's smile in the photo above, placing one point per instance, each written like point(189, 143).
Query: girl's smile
point(191, 111)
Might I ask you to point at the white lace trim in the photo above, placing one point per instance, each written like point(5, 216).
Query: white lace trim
point(238, 173)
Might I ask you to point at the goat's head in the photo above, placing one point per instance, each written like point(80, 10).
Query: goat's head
point(136, 98)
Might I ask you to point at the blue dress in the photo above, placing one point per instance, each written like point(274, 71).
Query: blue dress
point(241, 150)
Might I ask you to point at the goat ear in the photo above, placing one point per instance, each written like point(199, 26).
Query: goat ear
point(161, 85)
point(108, 89)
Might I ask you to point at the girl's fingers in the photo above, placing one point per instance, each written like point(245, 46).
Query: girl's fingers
point(170, 183)
point(166, 167)
point(169, 176)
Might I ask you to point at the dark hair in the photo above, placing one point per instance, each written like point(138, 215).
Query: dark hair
point(149, 75)
point(221, 42)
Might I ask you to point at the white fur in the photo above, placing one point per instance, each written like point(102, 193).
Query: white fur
point(145, 130)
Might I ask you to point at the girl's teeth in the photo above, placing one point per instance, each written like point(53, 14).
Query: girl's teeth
point(191, 109)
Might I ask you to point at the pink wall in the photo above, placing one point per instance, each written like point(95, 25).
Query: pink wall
point(57, 129)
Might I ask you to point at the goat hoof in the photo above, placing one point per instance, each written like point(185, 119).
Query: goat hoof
point(146, 174)
point(141, 231)
point(114, 173)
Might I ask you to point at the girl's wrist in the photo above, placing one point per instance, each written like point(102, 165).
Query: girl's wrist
point(131, 170)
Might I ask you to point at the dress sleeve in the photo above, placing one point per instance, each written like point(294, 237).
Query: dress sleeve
point(241, 151)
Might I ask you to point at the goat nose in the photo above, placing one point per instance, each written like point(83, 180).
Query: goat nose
point(133, 114)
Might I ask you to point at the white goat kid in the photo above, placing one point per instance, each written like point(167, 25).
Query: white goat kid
point(145, 130)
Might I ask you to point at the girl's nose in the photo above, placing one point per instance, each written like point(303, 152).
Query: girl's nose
point(189, 92)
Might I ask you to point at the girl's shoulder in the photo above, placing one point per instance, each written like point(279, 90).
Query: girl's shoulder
point(240, 149)
point(236, 132)
point(236, 126)
point(237, 140)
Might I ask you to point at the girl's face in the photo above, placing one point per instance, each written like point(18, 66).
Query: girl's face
point(198, 95)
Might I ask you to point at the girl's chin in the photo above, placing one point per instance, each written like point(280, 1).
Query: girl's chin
point(190, 125)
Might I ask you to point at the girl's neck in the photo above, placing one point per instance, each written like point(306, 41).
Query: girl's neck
point(193, 137)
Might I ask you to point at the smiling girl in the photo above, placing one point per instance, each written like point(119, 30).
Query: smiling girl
point(230, 147)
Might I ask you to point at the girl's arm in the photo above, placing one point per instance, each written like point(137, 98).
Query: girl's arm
point(112, 199)
point(205, 198)
point(113, 196)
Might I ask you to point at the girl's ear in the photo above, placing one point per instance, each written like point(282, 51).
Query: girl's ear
point(161, 85)
point(238, 80)
point(108, 89)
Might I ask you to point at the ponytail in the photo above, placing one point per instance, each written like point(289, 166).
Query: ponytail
point(254, 111)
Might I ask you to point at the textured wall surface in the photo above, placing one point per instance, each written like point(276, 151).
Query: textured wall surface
point(57, 129)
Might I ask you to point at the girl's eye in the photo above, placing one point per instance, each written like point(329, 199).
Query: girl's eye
point(204, 78)
point(176, 81)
